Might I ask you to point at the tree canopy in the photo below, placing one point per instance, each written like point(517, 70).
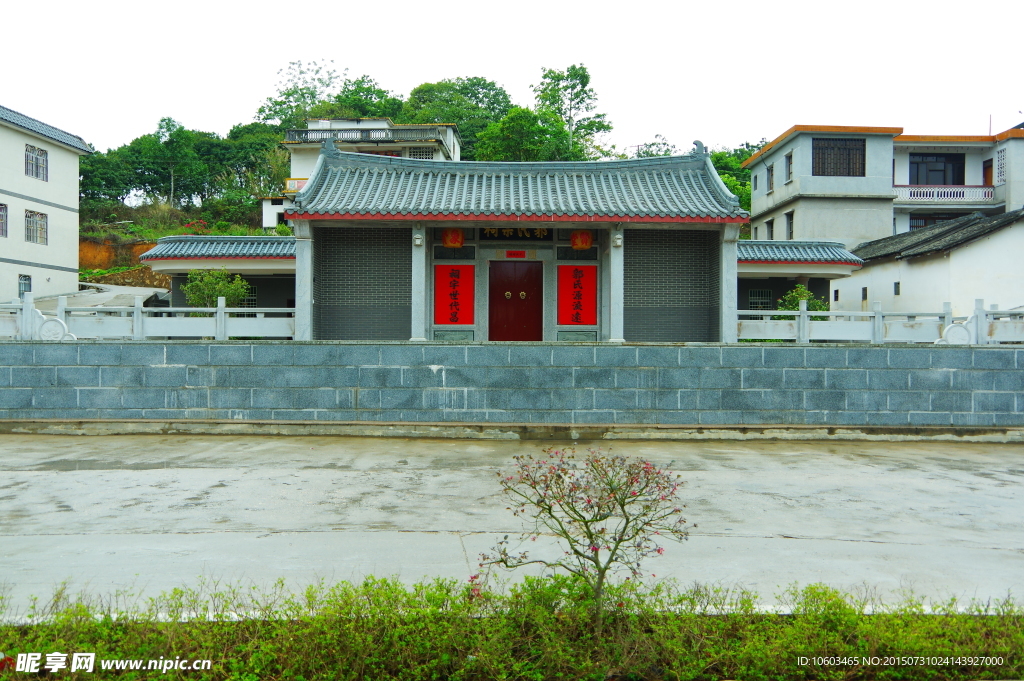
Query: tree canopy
point(185, 168)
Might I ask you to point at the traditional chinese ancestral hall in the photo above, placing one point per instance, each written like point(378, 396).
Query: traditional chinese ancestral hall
point(400, 249)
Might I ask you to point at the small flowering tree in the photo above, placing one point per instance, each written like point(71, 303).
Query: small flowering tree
point(610, 512)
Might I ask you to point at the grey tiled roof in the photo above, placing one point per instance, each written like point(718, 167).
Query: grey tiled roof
point(199, 247)
point(672, 189)
point(22, 121)
point(795, 252)
point(942, 236)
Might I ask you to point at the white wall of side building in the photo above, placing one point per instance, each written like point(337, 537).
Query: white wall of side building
point(1014, 187)
point(53, 266)
point(987, 269)
point(850, 221)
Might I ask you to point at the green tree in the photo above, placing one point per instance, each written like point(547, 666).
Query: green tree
point(728, 163)
point(302, 86)
point(362, 97)
point(791, 301)
point(569, 95)
point(204, 287)
point(525, 135)
point(105, 176)
point(659, 147)
point(470, 103)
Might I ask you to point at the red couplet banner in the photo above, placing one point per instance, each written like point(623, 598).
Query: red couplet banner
point(577, 294)
point(453, 294)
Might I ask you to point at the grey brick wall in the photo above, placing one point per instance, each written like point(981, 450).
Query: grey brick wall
point(503, 383)
point(362, 283)
point(671, 282)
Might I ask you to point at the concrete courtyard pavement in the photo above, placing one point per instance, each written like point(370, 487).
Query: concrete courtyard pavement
point(149, 513)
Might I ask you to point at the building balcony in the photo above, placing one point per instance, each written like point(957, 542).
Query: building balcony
point(371, 136)
point(951, 195)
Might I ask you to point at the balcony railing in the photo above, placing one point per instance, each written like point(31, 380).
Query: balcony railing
point(950, 194)
point(365, 135)
point(371, 136)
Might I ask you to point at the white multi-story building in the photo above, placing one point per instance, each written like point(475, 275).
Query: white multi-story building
point(377, 136)
point(857, 184)
point(38, 207)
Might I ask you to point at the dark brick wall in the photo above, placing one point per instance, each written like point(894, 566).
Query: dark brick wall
point(362, 283)
point(671, 286)
point(520, 383)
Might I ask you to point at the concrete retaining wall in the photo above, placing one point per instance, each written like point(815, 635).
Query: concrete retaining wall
point(499, 383)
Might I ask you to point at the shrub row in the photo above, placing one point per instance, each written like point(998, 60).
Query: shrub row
point(539, 629)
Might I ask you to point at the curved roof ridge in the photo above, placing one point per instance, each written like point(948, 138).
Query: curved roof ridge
point(657, 189)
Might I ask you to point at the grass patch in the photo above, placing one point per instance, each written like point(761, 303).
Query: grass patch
point(539, 629)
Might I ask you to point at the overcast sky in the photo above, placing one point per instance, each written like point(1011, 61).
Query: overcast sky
point(720, 72)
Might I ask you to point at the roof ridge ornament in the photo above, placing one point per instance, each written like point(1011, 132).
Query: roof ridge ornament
point(699, 148)
point(328, 149)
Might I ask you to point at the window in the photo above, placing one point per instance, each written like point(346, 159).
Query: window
point(986, 172)
point(464, 253)
point(1001, 166)
point(423, 153)
point(864, 294)
point(838, 157)
point(35, 227)
point(760, 299)
point(896, 288)
point(24, 284)
point(942, 169)
point(835, 295)
point(789, 167)
point(35, 163)
point(753, 180)
point(789, 225)
point(568, 253)
point(276, 202)
point(248, 301)
point(919, 221)
point(769, 228)
point(3, 219)
point(771, 178)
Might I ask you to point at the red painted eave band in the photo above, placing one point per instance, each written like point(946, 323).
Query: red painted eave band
point(222, 257)
point(512, 218)
point(797, 262)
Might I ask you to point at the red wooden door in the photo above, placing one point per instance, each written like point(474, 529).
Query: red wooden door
point(515, 301)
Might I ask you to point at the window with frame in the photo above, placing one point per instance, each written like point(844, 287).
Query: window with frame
point(838, 157)
point(24, 284)
point(789, 167)
point(789, 225)
point(1001, 166)
point(3, 219)
point(248, 301)
point(770, 179)
point(760, 299)
point(36, 164)
point(769, 228)
point(35, 227)
point(422, 153)
point(753, 181)
point(940, 169)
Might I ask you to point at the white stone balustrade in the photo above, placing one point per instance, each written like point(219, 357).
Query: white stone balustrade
point(951, 194)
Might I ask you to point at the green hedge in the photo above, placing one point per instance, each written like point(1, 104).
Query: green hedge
point(539, 629)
